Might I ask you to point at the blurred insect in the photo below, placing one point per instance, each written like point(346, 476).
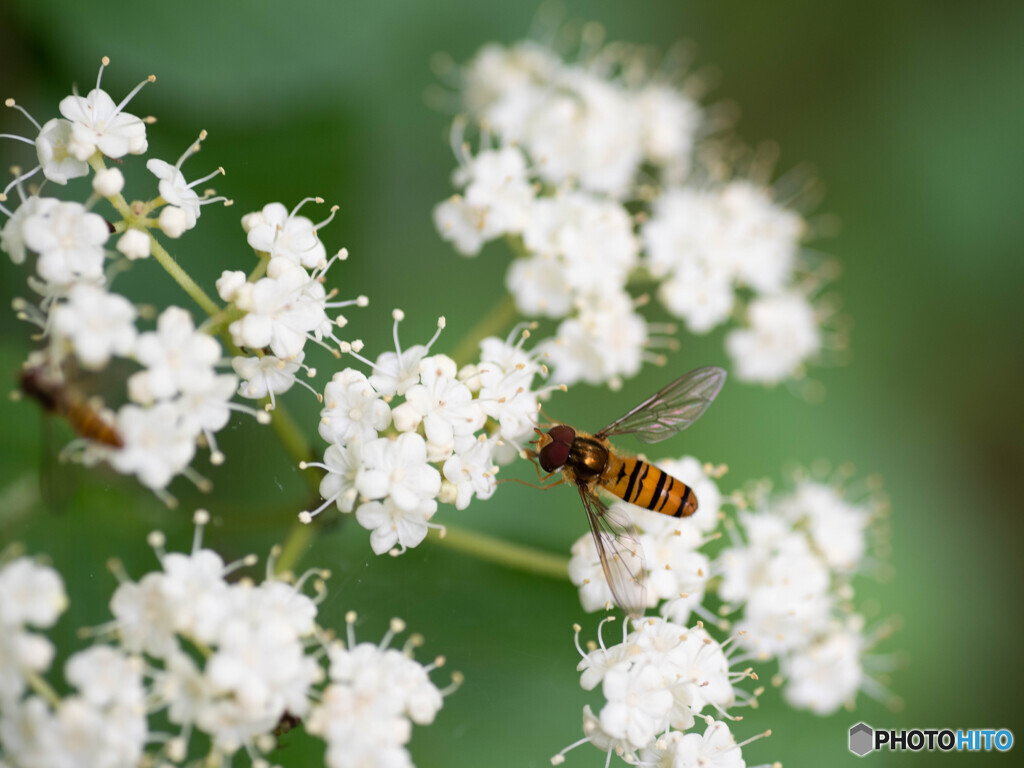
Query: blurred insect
point(590, 461)
point(287, 723)
point(47, 386)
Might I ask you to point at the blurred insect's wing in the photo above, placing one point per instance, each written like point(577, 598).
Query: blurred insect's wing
point(622, 557)
point(672, 409)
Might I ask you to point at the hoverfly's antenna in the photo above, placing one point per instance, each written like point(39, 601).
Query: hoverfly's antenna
point(549, 422)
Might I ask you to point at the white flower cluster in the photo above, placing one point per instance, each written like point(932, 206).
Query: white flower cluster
point(286, 308)
point(31, 595)
point(418, 430)
point(786, 588)
point(657, 683)
point(102, 724)
point(374, 695)
point(228, 660)
point(791, 574)
point(593, 170)
point(181, 396)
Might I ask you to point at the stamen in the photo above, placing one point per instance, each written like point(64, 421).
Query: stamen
point(200, 518)
point(13, 105)
point(191, 151)
point(295, 210)
point(131, 95)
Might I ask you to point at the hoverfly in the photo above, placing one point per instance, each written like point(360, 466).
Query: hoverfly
point(590, 461)
point(46, 385)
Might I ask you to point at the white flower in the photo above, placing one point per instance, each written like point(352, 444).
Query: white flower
point(703, 297)
point(69, 241)
point(374, 695)
point(788, 601)
point(715, 748)
point(229, 283)
point(135, 244)
point(352, 411)
point(30, 593)
point(760, 239)
point(661, 676)
point(283, 309)
point(287, 235)
point(157, 445)
point(177, 358)
point(391, 525)
point(258, 672)
point(584, 129)
point(539, 285)
point(398, 469)
point(394, 372)
point(836, 527)
point(206, 408)
point(267, 375)
point(106, 676)
point(172, 221)
point(176, 190)
point(684, 245)
point(669, 121)
point(638, 703)
point(108, 182)
point(501, 84)
point(146, 618)
point(462, 224)
point(338, 486)
point(52, 148)
point(99, 124)
point(507, 392)
point(604, 342)
point(12, 237)
point(446, 405)
point(826, 674)
point(98, 324)
point(78, 733)
point(472, 472)
point(496, 185)
point(593, 237)
point(783, 334)
point(20, 652)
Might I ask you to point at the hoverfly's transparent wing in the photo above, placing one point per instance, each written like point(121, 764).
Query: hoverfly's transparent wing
point(672, 409)
point(622, 557)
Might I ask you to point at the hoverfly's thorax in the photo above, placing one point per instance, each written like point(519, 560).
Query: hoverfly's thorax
point(588, 458)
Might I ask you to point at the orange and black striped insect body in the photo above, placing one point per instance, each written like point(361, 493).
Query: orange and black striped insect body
point(594, 461)
point(56, 396)
point(590, 461)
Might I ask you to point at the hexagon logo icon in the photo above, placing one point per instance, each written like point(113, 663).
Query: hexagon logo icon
point(861, 739)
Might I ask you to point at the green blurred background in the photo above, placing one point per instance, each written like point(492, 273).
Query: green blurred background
point(911, 114)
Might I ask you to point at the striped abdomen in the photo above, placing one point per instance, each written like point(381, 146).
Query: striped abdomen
point(647, 486)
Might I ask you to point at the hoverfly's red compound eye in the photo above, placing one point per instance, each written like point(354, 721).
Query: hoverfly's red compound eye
point(556, 453)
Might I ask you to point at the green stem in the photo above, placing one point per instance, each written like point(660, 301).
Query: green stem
point(501, 316)
point(495, 550)
point(260, 269)
point(208, 305)
point(295, 544)
point(40, 686)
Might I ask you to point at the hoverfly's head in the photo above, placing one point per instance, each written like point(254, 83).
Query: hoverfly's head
point(553, 448)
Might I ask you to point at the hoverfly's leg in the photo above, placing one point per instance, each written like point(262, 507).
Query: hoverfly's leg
point(531, 485)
